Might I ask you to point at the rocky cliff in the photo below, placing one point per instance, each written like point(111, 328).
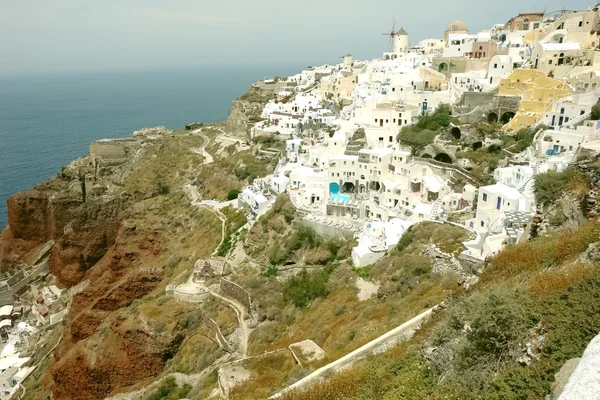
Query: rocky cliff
point(114, 220)
point(246, 111)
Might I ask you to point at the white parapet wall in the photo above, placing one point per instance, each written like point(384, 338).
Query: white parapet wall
point(190, 293)
point(402, 332)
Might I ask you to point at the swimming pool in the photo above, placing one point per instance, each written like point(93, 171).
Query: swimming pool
point(338, 196)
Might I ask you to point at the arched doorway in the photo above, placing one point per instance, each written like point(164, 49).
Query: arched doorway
point(492, 118)
point(443, 67)
point(506, 117)
point(443, 157)
point(426, 156)
point(477, 145)
point(455, 132)
point(348, 187)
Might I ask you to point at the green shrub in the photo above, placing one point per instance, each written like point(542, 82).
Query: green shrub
point(277, 255)
point(304, 287)
point(225, 246)
point(416, 140)
point(405, 240)
point(550, 186)
point(162, 188)
point(233, 194)
point(169, 390)
point(595, 112)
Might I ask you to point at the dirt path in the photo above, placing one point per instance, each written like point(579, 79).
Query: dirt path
point(208, 158)
point(238, 308)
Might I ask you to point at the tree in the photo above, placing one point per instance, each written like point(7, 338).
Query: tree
point(595, 113)
point(416, 140)
point(233, 194)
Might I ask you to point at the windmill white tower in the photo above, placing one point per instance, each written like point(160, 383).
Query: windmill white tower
point(401, 41)
point(398, 39)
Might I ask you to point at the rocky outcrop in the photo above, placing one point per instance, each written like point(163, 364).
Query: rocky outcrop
point(83, 232)
point(246, 111)
point(583, 383)
point(157, 130)
point(126, 356)
point(83, 369)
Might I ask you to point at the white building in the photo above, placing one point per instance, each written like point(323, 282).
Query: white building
point(376, 239)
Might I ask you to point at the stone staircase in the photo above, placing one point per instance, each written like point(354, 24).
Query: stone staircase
point(575, 121)
point(436, 205)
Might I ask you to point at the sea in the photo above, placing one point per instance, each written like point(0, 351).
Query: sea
point(48, 120)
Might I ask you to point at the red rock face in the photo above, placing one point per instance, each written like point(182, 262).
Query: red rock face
point(126, 356)
point(38, 216)
point(92, 359)
point(83, 232)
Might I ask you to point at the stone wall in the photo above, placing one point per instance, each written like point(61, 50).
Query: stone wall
point(212, 325)
point(237, 292)
point(502, 104)
point(107, 150)
point(327, 230)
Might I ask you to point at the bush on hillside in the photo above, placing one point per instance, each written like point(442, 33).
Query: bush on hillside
point(595, 112)
point(481, 330)
point(440, 118)
point(233, 194)
point(550, 186)
point(304, 287)
point(162, 188)
point(416, 140)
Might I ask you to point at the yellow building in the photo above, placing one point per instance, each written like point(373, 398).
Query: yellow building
point(537, 93)
point(342, 87)
point(433, 80)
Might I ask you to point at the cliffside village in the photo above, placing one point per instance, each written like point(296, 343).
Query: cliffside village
point(345, 170)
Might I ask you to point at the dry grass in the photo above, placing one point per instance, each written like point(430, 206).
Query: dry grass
point(269, 373)
point(553, 250)
point(551, 281)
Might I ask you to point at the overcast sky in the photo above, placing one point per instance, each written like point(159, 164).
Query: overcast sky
point(82, 35)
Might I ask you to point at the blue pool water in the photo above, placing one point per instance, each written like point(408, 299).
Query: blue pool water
point(338, 196)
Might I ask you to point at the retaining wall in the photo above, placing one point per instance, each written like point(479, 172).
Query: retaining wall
point(402, 332)
point(328, 230)
point(212, 325)
point(237, 292)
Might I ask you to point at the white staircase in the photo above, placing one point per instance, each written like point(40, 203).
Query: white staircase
point(577, 120)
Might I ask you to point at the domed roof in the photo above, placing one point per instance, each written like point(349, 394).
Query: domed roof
point(457, 26)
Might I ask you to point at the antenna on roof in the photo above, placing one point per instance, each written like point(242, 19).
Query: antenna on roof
point(391, 34)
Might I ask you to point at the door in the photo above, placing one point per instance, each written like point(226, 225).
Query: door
point(556, 149)
point(499, 203)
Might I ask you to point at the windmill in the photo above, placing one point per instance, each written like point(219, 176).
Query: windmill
point(391, 35)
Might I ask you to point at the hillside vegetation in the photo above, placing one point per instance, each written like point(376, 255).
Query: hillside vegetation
point(534, 308)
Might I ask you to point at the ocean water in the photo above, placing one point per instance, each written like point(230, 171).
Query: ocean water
point(46, 121)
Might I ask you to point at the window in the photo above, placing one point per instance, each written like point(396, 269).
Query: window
point(482, 224)
point(495, 65)
point(485, 197)
point(549, 62)
point(580, 23)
